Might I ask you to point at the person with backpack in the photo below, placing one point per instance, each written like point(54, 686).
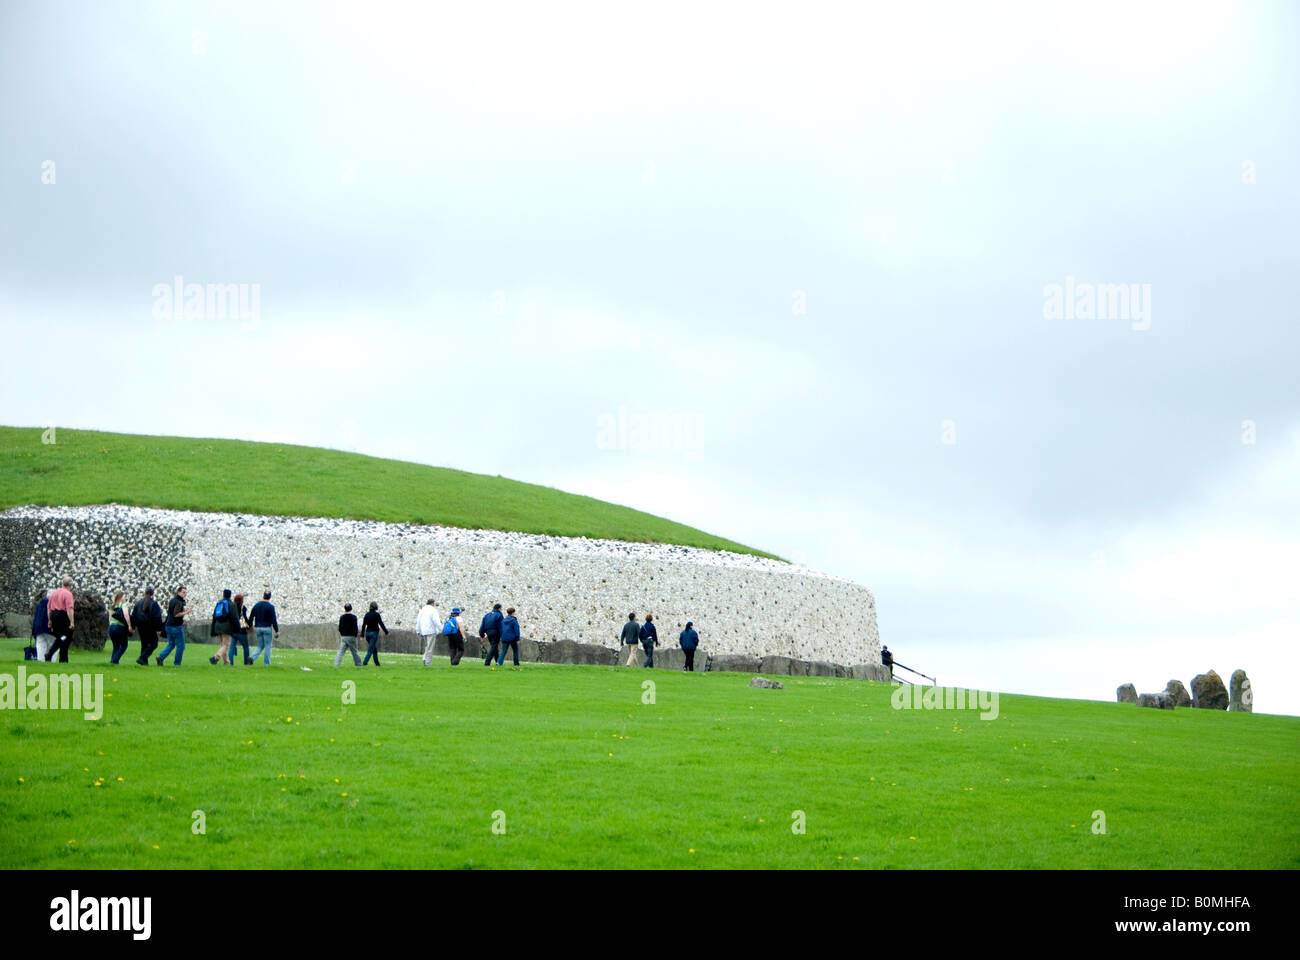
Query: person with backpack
point(147, 617)
point(689, 640)
point(174, 628)
point(649, 637)
point(631, 638)
point(490, 630)
point(62, 621)
point(455, 634)
point(119, 626)
point(240, 634)
point(41, 635)
point(224, 620)
point(428, 624)
point(348, 637)
point(371, 624)
point(264, 625)
point(509, 637)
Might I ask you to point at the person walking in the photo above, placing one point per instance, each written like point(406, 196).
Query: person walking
point(348, 637)
point(240, 634)
point(371, 624)
point(689, 640)
point(454, 631)
point(631, 638)
point(174, 627)
point(224, 618)
point(509, 637)
point(148, 619)
point(119, 626)
point(428, 624)
point(41, 626)
point(265, 625)
point(490, 630)
point(62, 621)
point(649, 637)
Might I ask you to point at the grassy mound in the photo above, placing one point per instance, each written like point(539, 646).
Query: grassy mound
point(574, 769)
point(85, 467)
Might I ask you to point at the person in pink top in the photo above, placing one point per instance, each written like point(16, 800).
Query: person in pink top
point(61, 621)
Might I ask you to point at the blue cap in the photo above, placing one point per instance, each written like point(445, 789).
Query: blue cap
point(455, 610)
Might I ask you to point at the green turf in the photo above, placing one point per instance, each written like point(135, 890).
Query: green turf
point(709, 775)
point(234, 476)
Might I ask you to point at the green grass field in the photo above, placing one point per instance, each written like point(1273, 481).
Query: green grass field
point(84, 467)
point(587, 775)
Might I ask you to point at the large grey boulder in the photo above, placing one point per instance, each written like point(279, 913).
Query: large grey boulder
point(732, 663)
point(766, 683)
point(1126, 693)
point(821, 668)
point(569, 651)
point(1175, 690)
point(876, 672)
point(1158, 701)
point(1241, 699)
point(1208, 692)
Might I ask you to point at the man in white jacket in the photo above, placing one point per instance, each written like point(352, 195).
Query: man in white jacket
point(428, 624)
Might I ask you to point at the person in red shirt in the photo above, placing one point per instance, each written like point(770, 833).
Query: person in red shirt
point(62, 621)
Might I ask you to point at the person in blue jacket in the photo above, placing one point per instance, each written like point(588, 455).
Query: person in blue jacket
point(649, 637)
point(509, 637)
point(490, 630)
point(689, 640)
point(41, 633)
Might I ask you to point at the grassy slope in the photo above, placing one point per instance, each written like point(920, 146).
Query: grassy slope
point(587, 775)
point(87, 467)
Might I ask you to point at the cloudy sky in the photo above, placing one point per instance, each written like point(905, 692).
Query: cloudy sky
point(990, 308)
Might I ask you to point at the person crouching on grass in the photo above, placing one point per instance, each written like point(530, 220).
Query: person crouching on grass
point(370, 626)
point(348, 636)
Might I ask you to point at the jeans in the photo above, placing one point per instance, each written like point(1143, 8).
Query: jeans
point(494, 652)
point(237, 639)
point(649, 654)
point(347, 644)
point(120, 638)
point(372, 641)
point(264, 637)
point(513, 645)
point(175, 641)
point(148, 644)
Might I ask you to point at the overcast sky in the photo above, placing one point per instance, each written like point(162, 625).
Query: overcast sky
point(818, 244)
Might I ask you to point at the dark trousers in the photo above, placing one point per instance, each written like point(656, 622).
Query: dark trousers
point(495, 640)
point(649, 654)
point(61, 629)
point(148, 644)
point(235, 640)
point(690, 659)
point(119, 636)
point(511, 645)
point(456, 645)
point(372, 640)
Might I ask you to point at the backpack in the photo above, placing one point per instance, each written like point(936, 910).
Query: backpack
point(450, 628)
point(222, 609)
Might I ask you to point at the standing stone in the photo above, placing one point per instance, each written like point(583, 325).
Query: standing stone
point(1208, 692)
point(1242, 698)
point(1175, 690)
point(1158, 701)
point(1126, 693)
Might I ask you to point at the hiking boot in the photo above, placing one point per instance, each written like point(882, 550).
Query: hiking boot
point(212, 660)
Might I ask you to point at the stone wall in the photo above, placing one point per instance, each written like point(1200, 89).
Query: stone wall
point(563, 588)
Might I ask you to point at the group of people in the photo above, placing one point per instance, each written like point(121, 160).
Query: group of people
point(54, 620)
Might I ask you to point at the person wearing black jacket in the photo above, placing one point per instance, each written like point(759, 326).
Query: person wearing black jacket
point(264, 624)
point(348, 636)
point(371, 624)
point(689, 640)
point(225, 618)
point(490, 629)
point(148, 620)
point(631, 638)
point(649, 637)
